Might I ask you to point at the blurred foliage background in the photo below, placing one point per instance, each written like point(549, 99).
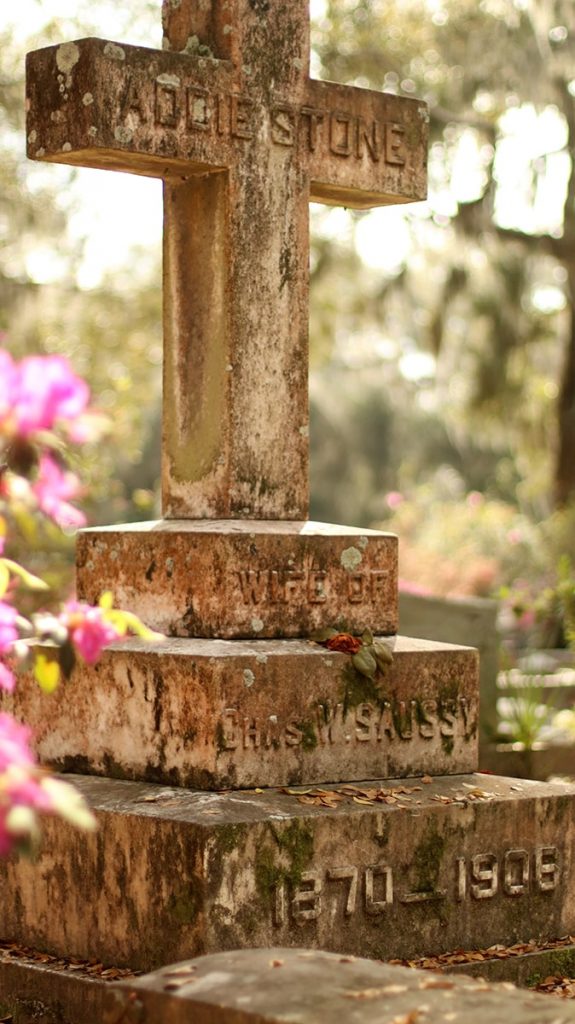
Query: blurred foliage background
point(442, 337)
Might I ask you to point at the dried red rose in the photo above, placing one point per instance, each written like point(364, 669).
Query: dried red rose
point(345, 643)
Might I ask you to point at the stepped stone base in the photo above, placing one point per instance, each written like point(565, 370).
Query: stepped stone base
point(278, 985)
point(215, 714)
point(33, 991)
point(462, 863)
point(231, 578)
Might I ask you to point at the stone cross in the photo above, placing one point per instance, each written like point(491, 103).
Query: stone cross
point(244, 139)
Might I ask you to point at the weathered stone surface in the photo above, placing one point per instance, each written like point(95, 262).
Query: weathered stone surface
point(207, 578)
point(290, 985)
point(215, 714)
point(243, 140)
point(173, 873)
point(130, 108)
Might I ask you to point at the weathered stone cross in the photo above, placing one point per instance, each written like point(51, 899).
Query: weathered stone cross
point(243, 139)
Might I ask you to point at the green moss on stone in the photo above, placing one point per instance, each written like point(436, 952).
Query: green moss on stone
point(427, 858)
point(293, 844)
point(230, 836)
point(359, 689)
point(447, 744)
point(220, 738)
point(309, 739)
point(183, 906)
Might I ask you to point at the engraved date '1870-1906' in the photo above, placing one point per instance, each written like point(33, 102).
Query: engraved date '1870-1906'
point(371, 891)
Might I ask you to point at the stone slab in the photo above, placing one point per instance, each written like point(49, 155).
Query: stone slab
point(460, 620)
point(173, 873)
point(215, 714)
point(32, 989)
point(287, 985)
point(31, 993)
point(542, 761)
point(230, 578)
point(525, 970)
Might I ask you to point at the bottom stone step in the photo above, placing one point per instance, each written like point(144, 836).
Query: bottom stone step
point(396, 869)
point(279, 985)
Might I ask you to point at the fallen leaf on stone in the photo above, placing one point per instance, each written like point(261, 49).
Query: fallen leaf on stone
point(276, 963)
point(173, 986)
point(371, 993)
point(296, 792)
point(408, 1018)
point(177, 972)
point(439, 983)
point(426, 779)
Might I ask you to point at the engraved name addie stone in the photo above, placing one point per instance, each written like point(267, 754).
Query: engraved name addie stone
point(243, 139)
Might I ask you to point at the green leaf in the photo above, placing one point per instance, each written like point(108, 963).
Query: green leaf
point(367, 637)
point(383, 655)
point(365, 663)
point(321, 635)
point(28, 579)
point(4, 578)
point(125, 622)
point(47, 673)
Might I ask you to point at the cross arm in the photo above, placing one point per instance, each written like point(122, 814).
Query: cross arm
point(100, 104)
point(366, 148)
point(96, 103)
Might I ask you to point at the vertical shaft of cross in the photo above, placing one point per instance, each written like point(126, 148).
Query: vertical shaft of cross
point(236, 246)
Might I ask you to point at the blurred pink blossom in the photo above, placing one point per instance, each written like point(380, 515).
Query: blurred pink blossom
point(21, 791)
point(53, 488)
point(14, 743)
point(88, 629)
point(475, 499)
point(394, 499)
point(7, 678)
point(37, 393)
point(8, 630)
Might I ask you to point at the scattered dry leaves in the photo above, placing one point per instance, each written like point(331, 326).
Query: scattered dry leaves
point(555, 985)
point(88, 968)
point(398, 796)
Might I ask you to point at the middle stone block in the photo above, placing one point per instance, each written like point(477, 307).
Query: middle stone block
point(232, 579)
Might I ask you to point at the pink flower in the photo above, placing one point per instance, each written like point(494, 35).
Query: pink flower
point(7, 678)
point(14, 743)
point(38, 392)
point(52, 489)
point(514, 536)
point(394, 499)
point(48, 391)
point(88, 629)
point(8, 630)
point(475, 499)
